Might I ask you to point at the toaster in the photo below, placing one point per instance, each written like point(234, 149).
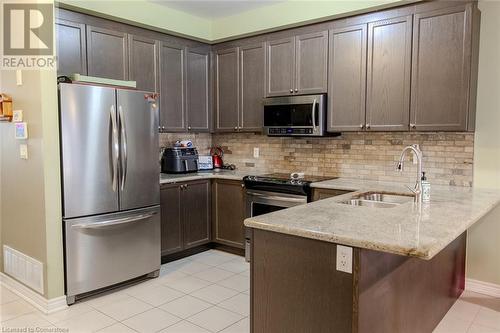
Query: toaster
point(179, 160)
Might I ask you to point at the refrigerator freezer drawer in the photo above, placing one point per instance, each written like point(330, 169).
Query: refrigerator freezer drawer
point(108, 249)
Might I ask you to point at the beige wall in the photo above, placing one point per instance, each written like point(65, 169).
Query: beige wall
point(484, 237)
point(30, 212)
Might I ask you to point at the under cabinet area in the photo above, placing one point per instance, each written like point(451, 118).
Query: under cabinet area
point(185, 215)
point(228, 212)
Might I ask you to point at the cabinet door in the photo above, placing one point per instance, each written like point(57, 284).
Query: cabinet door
point(71, 48)
point(347, 79)
point(143, 62)
point(252, 81)
point(197, 89)
point(171, 219)
point(172, 88)
point(107, 53)
point(226, 90)
point(280, 67)
point(388, 75)
point(197, 212)
point(441, 69)
point(229, 212)
point(311, 52)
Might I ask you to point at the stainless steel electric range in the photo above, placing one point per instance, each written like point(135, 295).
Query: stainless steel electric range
point(272, 192)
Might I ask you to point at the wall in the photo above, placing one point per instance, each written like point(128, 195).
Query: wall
point(30, 189)
point(155, 16)
point(289, 13)
point(484, 237)
point(447, 156)
point(146, 14)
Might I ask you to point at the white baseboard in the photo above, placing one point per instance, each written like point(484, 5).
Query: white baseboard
point(41, 303)
point(480, 287)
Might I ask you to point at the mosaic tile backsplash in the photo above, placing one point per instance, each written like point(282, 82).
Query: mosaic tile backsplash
point(448, 157)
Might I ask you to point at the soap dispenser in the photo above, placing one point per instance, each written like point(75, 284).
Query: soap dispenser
point(426, 189)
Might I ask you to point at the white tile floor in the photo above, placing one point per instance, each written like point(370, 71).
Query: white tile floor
point(208, 292)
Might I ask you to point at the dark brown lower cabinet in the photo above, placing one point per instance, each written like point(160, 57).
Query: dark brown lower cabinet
point(295, 287)
point(228, 206)
point(185, 215)
point(321, 193)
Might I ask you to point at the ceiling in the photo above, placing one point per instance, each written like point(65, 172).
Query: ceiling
point(215, 9)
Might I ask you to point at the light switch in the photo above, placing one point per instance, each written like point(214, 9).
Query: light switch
point(19, 77)
point(23, 151)
point(256, 152)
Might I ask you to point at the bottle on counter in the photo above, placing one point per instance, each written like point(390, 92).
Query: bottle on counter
point(426, 189)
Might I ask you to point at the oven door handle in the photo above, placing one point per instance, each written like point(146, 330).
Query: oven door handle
point(277, 198)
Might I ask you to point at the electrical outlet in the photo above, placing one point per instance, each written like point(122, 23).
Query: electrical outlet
point(256, 152)
point(344, 259)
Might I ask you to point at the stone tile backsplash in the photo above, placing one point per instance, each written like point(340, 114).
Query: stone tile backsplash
point(448, 157)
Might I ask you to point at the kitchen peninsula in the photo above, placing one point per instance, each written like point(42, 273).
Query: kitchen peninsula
point(407, 266)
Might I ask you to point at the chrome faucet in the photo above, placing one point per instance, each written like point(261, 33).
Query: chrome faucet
point(418, 154)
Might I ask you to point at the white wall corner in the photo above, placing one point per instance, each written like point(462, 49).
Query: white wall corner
point(47, 306)
point(481, 287)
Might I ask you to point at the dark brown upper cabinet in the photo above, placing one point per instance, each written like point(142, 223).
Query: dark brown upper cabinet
point(347, 78)
point(226, 89)
point(71, 48)
point(228, 208)
point(172, 88)
point(280, 71)
point(107, 53)
point(198, 89)
point(297, 65)
point(388, 74)
point(143, 62)
point(311, 62)
point(252, 90)
point(441, 69)
point(239, 88)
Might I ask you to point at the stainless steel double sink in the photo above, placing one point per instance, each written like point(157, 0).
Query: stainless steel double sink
point(379, 199)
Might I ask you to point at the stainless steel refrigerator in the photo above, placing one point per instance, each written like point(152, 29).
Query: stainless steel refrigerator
point(111, 192)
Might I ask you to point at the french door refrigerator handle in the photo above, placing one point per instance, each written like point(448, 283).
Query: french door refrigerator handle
point(123, 142)
point(114, 147)
point(124, 220)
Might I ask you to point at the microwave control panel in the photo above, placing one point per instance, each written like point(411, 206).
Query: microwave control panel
point(285, 131)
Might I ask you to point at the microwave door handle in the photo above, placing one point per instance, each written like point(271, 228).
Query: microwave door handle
point(314, 114)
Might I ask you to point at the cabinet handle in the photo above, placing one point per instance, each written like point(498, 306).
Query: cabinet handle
point(189, 128)
point(296, 90)
point(243, 185)
point(368, 126)
point(235, 128)
point(362, 126)
point(291, 91)
point(413, 126)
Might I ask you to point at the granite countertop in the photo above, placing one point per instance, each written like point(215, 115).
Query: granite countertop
point(417, 230)
point(166, 178)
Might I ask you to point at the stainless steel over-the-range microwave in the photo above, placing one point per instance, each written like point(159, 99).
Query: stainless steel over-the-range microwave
point(295, 115)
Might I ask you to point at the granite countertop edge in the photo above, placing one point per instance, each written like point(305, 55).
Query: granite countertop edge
point(331, 221)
